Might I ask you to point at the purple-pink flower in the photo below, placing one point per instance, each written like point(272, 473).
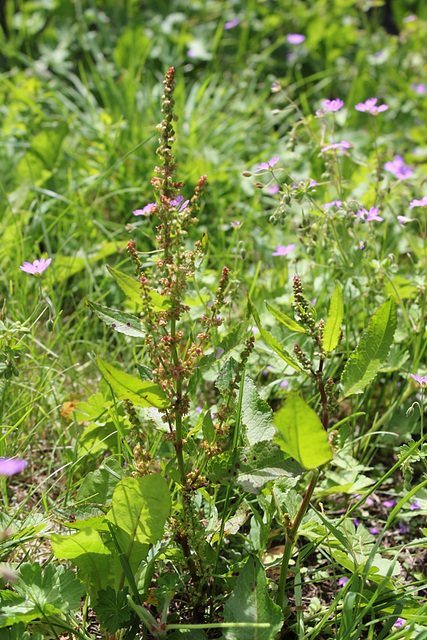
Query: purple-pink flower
point(273, 189)
point(419, 203)
point(232, 23)
point(295, 38)
point(145, 211)
point(37, 267)
point(398, 168)
point(336, 145)
point(9, 466)
point(370, 106)
point(403, 219)
point(374, 531)
point(284, 384)
point(265, 166)
point(419, 88)
point(369, 216)
point(178, 201)
point(389, 504)
point(420, 379)
point(399, 623)
point(332, 105)
point(403, 528)
point(333, 203)
point(281, 250)
point(414, 506)
point(236, 224)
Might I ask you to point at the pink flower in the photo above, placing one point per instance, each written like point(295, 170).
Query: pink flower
point(333, 203)
point(37, 267)
point(9, 466)
point(336, 145)
point(232, 23)
point(295, 38)
point(369, 216)
point(332, 105)
point(374, 530)
point(236, 224)
point(284, 384)
point(419, 203)
point(178, 201)
point(273, 189)
point(342, 581)
point(265, 166)
point(281, 250)
point(389, 504)
point(398, 168)
point(403, 219)
point(415, 506)
point(146, 210)
point(399, 623)
point(419, 88)
point(420, 379)
point(371, 106)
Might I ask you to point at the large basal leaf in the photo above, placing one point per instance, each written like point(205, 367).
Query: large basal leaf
point(301, 434)
point(257, 415)
point(252, 467)
point(117, 320)
point(273, 343)
point(126, 387)
point(288, 322)
point(132, 288)
point(98, 486)
point(40, 594)
point(140, 507)
point(250, 603)
point(372, 350)
point(332, 331)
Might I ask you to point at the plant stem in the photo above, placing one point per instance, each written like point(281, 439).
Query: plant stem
point(291, 534)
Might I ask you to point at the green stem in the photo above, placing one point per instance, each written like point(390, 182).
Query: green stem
point(178, 419)
point(291, 534)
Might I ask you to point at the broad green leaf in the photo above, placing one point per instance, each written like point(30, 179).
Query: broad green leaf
point(87, 551)
point(43, 154)
point(92, 409)
point(251, 603)
point(372, 350)
point(252, 467)
point(301, 434)
point(140, 507)
point(142, 393)
point(117, 320)
point(332, 331)
point(132, 289)
point(273, 343)
point(290, 323)
point(234, 338)
point(112, 609)
point(257, 415)
point(98, 486)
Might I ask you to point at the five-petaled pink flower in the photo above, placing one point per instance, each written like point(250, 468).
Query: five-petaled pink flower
point(419, 88)
point(178, 201)
point(265, 166)
point(332, 105)
point(369, 216)
point(336, 145)
point(295, 38)
point(370, 106)
point(419, 203)
point(9, 466)
point(281, 250)
point(398, 168)
point(422, 380)
point(37, 267)
point(146, 210)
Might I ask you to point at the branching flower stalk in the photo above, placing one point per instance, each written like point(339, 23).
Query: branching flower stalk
point(306, 316)
point(171, 350)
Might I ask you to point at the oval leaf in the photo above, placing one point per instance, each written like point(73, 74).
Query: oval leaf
point(140, 507)
point(117, 320)
point(132, 289)
point(372, 351)
point(286, 320)
point(332, 332)
point(142, 393)
point(301, 434)
point(273, 343)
